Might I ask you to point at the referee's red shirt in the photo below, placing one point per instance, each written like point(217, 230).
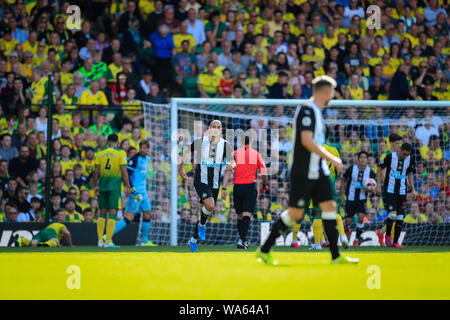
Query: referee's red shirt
point(247, 162)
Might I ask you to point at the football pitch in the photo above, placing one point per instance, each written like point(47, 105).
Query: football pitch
point(219, 272)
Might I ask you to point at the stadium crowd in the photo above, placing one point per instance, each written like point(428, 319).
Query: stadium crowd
point(126, 51)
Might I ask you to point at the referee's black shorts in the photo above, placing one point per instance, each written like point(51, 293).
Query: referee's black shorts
point(244, 196)
point(302, 190)
point(204, 191)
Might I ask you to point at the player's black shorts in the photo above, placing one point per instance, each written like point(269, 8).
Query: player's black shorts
point(395, 202)
point(244, 196)
point(204, 191)
point(302, 190)
point(353, 207)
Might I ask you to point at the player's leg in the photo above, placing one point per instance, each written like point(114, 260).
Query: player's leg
point(238, 206)
point(317, 227)
point(401, 204)
point(248, 208)
point(53, 242)
point(146, 229)
point(287, 219)
point(208, 198)
point(113, 204)
point(359, 229)
point(350, 211)
point(340, 226)
point(392, 214)
point(322, 194)
point(101, 222)
point(299, 196)
point(21, 241)
point(295, 230)
point(128, 215)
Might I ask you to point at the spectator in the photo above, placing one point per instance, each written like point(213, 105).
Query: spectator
point(431, 12)
point(208, 83)
point(225, 58)
point(425, 131)
point(184, 63)
point(399, 87)
point(156, 96)
point(11, 212)
point(170, 20)
point(30, 215)
point(235, 67)
point(414, 216)
point(22, 165)
point(7, 151)
point(164, 49)
point(71, 214)
point(280, 90)
point(215, 30)
point(195, 27)
point(87, 215)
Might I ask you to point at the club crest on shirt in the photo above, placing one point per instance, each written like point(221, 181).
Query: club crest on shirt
point(306, 121)
point(204, 195)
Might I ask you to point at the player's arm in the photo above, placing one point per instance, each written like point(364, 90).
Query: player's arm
point(68, 236)
point(347, 175)
point(381, 172)
point(96, 177)
point(309, 143)
point(231, 164)
point(123, 168)
point(132, 163)
point(380, 176)
point(126, 180)
point(226, 179)
point(410, 173)
point(262, 169)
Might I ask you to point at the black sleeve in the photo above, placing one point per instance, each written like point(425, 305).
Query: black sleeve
point(372, 174)
point(348, 172)
point(412, 167)
point(386, 162)
point(306, 119)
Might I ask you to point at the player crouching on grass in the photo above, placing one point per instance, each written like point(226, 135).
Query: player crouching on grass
point(209, 155)
point(309, 173)
point(138, 201)
point(48, 237)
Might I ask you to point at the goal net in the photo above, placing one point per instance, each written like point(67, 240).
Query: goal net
point(352, 126)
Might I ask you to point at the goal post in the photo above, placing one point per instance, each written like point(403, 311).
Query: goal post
point(183, 114)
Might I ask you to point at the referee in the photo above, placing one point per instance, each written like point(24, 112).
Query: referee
point(248, 161)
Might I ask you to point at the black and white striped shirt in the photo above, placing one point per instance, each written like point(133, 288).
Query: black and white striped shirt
point(396, 172)
point(306, 164)
point(209, 159)
point(356, 179)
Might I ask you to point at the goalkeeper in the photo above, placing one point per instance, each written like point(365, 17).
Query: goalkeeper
point(319, 238)
point(48, 237)
point(138, 201)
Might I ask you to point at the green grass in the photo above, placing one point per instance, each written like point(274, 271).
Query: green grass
point(222, 272)
point(220, 249)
